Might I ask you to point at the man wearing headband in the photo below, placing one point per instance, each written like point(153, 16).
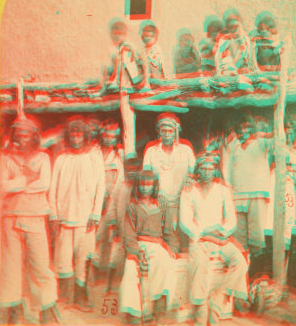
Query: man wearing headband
point(173, 160)
point(249, 175)
point(113, 160)
point(207, 216)
point(76, 199)
point(25, 181)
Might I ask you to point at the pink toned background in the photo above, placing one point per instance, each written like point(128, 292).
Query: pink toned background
point(67, 40)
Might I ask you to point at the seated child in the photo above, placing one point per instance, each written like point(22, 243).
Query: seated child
point(121, 55)
point(212, 26)
point(186, 58)
point(265, 43)
point(150, 52)
point(232, 55)
point(145, 225)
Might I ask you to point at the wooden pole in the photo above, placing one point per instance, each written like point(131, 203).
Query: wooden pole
point(128, 116)
point(279, 273)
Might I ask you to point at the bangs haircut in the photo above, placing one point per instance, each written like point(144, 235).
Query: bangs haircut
point(81, 125)
point(146, 175)
point(151, 28)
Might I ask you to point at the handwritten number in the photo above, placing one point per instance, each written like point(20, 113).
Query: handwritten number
point(105, 306)
point(114, 308)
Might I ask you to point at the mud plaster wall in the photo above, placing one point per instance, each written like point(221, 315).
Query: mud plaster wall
point(67, 40)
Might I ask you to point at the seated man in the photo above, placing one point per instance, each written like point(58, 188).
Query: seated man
point(233, 48)
point(208, 217)
point(186, 58)
point(145, 225)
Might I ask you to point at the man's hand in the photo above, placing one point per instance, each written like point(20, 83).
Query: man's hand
point(30, 175)
point(214, 233)
point(54, 228)
point(91, 225)
point(143, 261)
point(188, 182)
point(173, 255)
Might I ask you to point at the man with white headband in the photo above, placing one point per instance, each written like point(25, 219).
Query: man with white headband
point(173, 160)
point(25, 181)
point(207, 216)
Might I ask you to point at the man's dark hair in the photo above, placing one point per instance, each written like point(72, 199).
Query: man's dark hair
point(80, 124)
point(146, 175)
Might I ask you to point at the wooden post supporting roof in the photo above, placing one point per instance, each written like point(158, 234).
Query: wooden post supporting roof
point(280, 173)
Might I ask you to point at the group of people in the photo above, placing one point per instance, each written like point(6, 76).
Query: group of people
point(226, 50)
point(210, 204)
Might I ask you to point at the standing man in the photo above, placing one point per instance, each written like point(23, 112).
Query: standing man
point(208, 217)
point(25, 181)
point(118, 252)
point(76, 198)
point(173, 161)
point(249, 175)
point(113, 160)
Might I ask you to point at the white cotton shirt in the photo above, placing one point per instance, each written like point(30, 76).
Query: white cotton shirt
point(249, 170)
point(172, 168)
point(77, 187)
point(198, 212)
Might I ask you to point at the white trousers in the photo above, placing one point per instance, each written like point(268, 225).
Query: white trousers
point(17, 246)
point(161, 277)
point(74, 246)
point(203, 258)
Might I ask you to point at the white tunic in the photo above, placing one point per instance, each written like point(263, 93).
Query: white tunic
point(77, 187)
point(172, 168)
point(249, 170)
point(216, 210)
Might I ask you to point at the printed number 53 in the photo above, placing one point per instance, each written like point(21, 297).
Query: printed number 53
point(113, 308)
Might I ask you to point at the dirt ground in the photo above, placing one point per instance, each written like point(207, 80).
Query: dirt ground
point(283, 314)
